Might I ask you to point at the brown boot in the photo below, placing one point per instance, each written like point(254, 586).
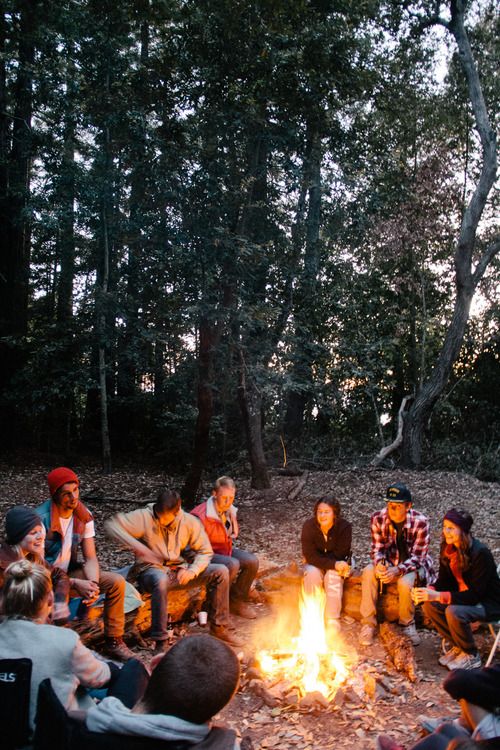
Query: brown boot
point(241, 609)
point(161, 647)
point(228, 635)
point(117, 649)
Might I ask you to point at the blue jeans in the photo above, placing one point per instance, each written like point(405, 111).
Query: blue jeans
point(159, 581)
point(243, 567)
point(452, 621)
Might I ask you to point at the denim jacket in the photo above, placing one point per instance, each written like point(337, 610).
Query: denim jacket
point(49, 514)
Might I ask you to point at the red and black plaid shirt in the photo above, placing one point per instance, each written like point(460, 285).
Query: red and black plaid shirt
point(416, 536)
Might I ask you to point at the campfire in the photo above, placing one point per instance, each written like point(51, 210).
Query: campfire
point(314, 661)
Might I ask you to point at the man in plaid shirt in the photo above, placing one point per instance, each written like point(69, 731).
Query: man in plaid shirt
point(400, 552)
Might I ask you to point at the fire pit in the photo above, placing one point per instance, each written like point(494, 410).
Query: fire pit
point(315, 661)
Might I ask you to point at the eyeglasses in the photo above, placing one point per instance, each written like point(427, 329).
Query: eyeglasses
point(450, 529)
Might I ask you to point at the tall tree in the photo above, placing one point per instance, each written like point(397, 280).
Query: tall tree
point(471, 257)
point(16, 154)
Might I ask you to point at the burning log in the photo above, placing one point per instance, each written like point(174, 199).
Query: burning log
point(400, 649)
point(258, 687)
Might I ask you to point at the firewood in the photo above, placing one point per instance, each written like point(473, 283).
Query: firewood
point(400, 650)
point(258, 687)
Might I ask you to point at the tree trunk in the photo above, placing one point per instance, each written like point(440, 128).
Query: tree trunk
point(250, 401)
point(102, 301)
point(15, 166)
point(466, 279)
point(209, 338)
point(61, 424)
point(130, 341)
point(299, 394)
point(103, 391)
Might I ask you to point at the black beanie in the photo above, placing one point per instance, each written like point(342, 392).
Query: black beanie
point(478, 686)
point(19, 521)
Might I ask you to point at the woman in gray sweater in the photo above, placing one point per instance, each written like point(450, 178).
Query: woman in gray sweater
point(57, 653)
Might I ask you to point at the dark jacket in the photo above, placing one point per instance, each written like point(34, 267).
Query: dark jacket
point(481, 577)
point(324, 554)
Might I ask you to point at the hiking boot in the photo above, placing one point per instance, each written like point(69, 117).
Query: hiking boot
point(387, 743)
point(161, 647)
point(465, 661)
point(410, 631)
point(449, 656)
point(116, 648)
point(366, 636)
point(241, 609)
point(430, 724)
point(228, 635)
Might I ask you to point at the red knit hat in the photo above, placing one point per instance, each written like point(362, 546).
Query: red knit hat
point(57, 477)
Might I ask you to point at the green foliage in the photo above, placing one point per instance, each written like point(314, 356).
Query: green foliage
point(287, 171)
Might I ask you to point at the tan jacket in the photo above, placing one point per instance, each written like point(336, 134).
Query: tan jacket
point(184, 544)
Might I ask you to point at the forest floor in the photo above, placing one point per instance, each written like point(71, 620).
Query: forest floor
point(270, 526)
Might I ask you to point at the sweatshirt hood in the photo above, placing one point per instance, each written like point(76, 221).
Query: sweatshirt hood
point(112, 716)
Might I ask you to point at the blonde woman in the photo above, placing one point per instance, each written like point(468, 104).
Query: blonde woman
point(57, 653)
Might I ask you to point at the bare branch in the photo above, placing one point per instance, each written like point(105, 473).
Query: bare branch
point(492, 249)
point(381, 455)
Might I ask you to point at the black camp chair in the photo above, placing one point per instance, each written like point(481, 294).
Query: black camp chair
point(15, 683)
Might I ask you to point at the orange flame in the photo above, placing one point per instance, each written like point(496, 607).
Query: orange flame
point(311, 660)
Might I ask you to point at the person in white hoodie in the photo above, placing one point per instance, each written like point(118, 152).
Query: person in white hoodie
point(189, 685)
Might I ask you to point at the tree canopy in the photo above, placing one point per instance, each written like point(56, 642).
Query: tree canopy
point(248, 232)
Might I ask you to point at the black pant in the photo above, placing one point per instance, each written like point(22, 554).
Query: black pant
point(129, 682)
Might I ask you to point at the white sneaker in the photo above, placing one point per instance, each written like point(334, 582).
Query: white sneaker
point(366, 635)
point(465, 661)
point(449, 656)
point(410, 632)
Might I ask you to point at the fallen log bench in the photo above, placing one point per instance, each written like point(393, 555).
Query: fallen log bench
point(183, 606)
point(282, 589)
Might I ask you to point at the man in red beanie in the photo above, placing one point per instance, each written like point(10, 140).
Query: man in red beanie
point(70, 528)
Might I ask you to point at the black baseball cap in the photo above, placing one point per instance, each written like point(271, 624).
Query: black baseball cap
point(398, 493)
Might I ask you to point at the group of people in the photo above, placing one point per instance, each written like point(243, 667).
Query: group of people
point(172, 549)
point(48, 557)
point(466, 590)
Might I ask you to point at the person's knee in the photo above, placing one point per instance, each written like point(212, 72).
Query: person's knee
point(114, 583)
point(332, 578)
point(368, 574)
point(405, 584)
point(252, 563)
point(219, 574)
point(312, 576)
point(428, 609)
point(157, 582)
point(455, 613)
point(233, 565)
